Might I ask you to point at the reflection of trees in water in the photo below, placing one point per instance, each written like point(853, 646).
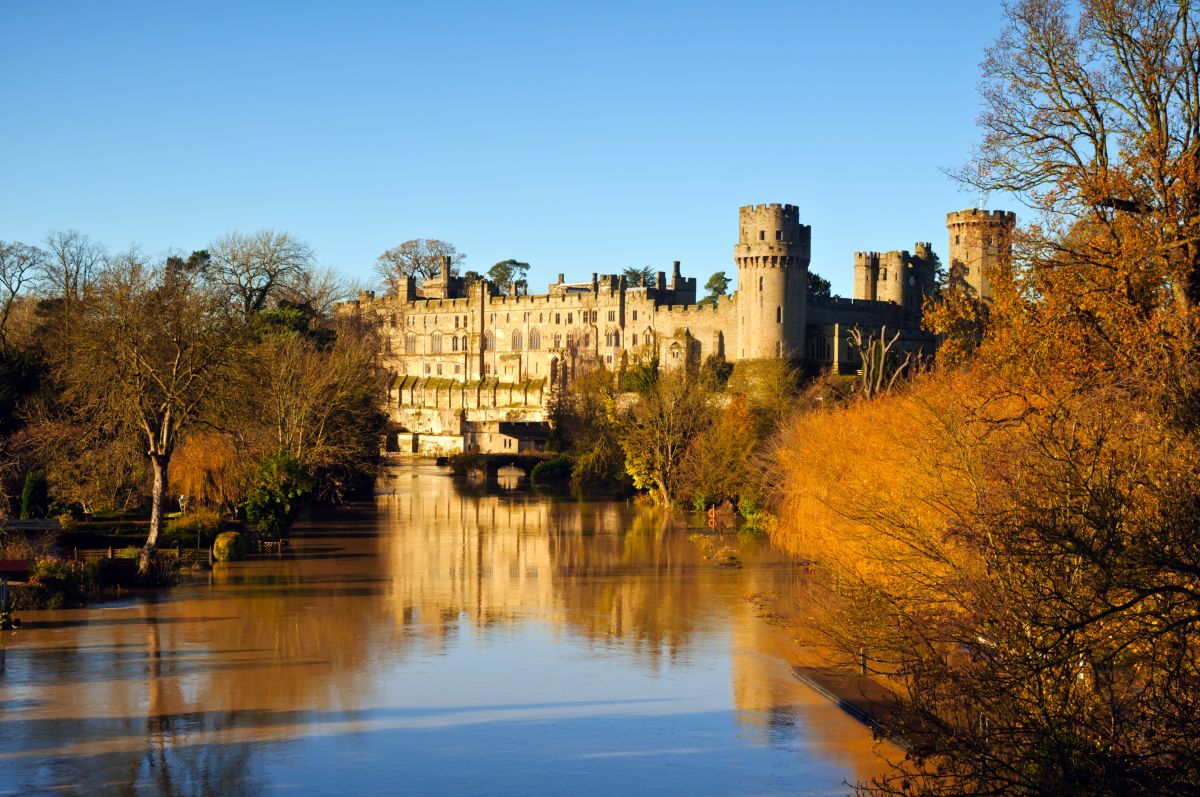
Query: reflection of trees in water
point(605, 570)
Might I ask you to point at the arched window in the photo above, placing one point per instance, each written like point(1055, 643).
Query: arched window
point(454, 342)
point(489, 341)
point(435, 343)
point(535, 340)
point(516, 341)
point(617, 338)
point(410, 343)
point(558, 340)
point(607, 338)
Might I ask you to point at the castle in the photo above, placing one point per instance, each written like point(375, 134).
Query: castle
point(473, 366)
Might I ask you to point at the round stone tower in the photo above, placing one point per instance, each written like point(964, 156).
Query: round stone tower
point(772, 257)
point(980, 242)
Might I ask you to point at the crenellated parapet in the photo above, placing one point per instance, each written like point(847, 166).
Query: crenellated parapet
point(980, 242)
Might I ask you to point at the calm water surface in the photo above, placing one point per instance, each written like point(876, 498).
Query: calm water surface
point(436, 642)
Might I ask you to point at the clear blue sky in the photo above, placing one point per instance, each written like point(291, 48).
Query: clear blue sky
point(579, 137)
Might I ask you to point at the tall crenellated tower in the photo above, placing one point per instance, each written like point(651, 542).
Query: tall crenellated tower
point(772, 257)
point(980, 241)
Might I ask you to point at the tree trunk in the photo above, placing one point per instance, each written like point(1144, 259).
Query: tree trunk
point(150, 550)
point(664, 495)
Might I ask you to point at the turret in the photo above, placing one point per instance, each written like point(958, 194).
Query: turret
point(772, 256)
point(980, 243)
point(866, 266)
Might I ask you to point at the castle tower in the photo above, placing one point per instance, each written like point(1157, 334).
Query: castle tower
point(980, 242)
point(866, 269)
point(772, 257)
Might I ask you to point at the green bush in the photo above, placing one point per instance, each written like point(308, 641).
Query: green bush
point(281, 487)
point(184, 531)
point(552, 471)
point(229, 547)
point(35, 496)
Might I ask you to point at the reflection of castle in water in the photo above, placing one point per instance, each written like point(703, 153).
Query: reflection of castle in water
point(605, 571)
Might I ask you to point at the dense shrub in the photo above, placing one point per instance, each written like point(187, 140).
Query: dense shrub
point(229, 547)
point(35, 497)
point(552, 471)
point(280, 489)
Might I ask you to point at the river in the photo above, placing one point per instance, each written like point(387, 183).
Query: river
point(442, 640)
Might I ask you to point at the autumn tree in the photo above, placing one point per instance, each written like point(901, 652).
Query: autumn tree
point(314, 398)
point(152, 346)
point(657, 429)
point(420, 258)
point(257, 269)
point(1013, 542)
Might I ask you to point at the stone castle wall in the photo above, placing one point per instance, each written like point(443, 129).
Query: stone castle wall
point(480, 369)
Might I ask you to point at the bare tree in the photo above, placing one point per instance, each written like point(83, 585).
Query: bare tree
point(420, 258)
point(19, 265)
point(319, 290)
point(881, 368)
point(74, 261)
point(151, 345)
point(259, 268)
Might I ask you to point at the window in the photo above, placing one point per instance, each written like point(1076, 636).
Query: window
point(540, 318)
point(535, 340)
point(884, 277)
point(635, 315)
point(558, 318)
point(454, 342)
point(760, 284)
point(516, 340)
point(570, 318)
point(778, 315)
point(558, 340)
point(435, 343)
point(489, 341)
point(426, 368)
point(634, 338)
point(762, 235)
point(607, 338)
point(609, 358)
point(464, 342)
point(779, 235)
point(617, 338)
point(456, 367)
point(439, 369)
point(410, 343)
point(958, 239)
point(612, 315)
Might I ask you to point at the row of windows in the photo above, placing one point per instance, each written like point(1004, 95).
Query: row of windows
point(437, 341)
point(585, 317)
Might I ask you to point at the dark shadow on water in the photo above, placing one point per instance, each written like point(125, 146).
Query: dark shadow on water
point(33, 625)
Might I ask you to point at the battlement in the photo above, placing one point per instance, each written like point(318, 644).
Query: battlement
point(977, 216)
